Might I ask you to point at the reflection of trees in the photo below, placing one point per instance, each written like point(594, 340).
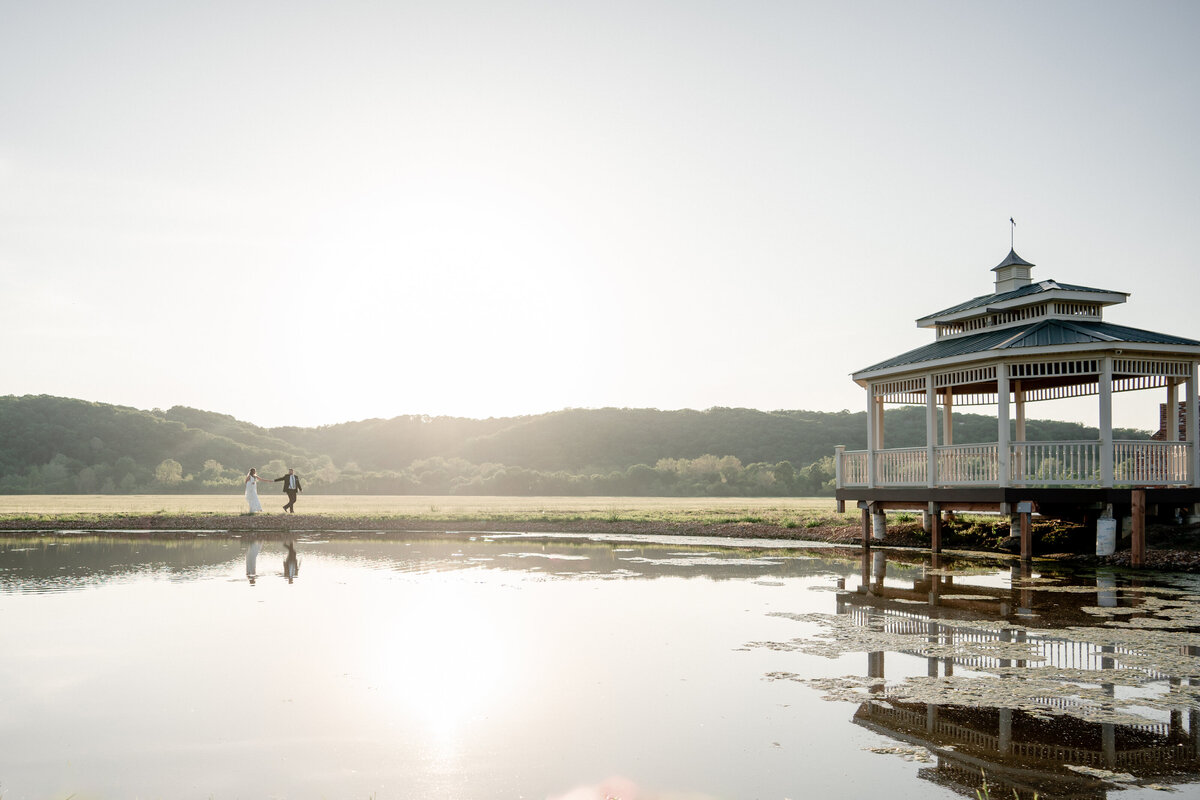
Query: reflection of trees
point(63, 562)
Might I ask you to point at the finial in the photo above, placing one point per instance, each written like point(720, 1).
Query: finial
point(1012, 235)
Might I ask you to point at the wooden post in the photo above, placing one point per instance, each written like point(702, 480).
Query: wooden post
point(866, 528)
point(935, 533)
point(1026, 538)
point(1138, 549)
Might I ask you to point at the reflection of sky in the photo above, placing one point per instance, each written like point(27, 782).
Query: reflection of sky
point(425, 669)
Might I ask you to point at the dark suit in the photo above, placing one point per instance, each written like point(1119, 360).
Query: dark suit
point(291, 485)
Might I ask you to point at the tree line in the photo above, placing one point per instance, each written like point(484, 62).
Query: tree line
point(57, 445)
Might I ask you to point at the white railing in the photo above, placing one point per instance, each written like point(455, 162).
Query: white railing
point(1135, 463)
point(903, 466)
point(1055, 463)
point(854, 468)
point(968, 464)
point(1151, 463)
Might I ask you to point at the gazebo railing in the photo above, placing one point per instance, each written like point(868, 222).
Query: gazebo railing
point(1055, 463)
point(1066, 463)
point(854, 468)
point(967, 464)
point(904, 466)
point(1151, 463)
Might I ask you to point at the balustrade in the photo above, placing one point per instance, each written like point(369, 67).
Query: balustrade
point(967, 464)
point(902, 466)
point(1055, 463)
point(1066, 463)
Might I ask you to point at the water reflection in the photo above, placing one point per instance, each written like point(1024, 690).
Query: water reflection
point(291, 565)
point(1061, 689)
point(525, 666)
point(252, 551)
point(291, 562)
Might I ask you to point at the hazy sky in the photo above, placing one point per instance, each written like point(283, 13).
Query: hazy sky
point(305, 213)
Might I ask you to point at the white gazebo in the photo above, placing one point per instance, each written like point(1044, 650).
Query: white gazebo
point(1022, 343)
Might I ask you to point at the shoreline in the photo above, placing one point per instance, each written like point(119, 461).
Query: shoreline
point(903, 536)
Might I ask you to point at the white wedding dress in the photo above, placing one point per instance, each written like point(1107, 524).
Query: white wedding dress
point(252, 495)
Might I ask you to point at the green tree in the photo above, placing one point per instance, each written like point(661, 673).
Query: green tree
point(169, 472)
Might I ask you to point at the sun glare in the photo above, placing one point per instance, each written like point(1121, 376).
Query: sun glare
point(441, 664)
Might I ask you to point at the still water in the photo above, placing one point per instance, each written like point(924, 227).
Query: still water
point(577, 667)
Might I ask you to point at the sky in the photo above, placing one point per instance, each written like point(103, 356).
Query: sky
point(304, 213)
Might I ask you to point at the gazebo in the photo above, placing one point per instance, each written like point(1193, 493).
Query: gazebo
point(1022, 343)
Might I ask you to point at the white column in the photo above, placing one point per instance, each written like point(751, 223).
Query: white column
point(1106, 439)
point(871, 445)
point(1193, 427)
point(1171, 418)
point(947, 421)
point(1002, 464)
point(1019, 395)
point(879, 425)
point(930, 431)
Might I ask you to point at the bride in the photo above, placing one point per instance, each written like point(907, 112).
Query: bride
point(252, 480)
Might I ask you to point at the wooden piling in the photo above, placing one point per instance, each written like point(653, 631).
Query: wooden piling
point(866, 529)
point(1026, 538)
point(935, 528)
point(1137, 553)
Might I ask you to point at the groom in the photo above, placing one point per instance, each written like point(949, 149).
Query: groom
point(291, 485)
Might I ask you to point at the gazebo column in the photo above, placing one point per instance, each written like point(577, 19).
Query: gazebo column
point(872, 444)
point(931, 435)
point(1171, 418)
point(1019, 394)
point(1106, 436)
point(1192, 416)
point(879, 445)
point(1003, 469)
point(947, 412)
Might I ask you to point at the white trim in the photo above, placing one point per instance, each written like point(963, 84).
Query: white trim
point(1104, 298)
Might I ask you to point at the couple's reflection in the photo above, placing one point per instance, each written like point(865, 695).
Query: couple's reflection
point(291, 564)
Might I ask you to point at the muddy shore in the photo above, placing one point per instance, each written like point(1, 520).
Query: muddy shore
point(1169, 548)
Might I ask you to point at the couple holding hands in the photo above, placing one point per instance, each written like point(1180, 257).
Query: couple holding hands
point(291, 486)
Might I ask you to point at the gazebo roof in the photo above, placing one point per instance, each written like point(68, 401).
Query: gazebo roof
point(1013, 260)
point(1044, 333)
point(983, 301)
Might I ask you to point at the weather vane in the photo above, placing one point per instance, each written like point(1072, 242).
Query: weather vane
point(1012, 235)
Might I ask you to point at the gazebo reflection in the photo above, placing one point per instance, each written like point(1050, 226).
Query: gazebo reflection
point(1056, 753)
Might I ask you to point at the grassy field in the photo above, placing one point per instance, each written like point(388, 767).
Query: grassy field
point(790, 511)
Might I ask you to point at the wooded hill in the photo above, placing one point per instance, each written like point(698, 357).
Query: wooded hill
point(60, 445)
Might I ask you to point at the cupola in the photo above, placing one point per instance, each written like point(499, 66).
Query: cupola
point(1012, 273)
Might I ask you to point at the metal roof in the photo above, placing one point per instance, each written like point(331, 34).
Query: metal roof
point(1013, 260)
point(1045, 333)
point(1031, 289)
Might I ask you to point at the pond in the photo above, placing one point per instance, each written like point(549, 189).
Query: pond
point(580, 667)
